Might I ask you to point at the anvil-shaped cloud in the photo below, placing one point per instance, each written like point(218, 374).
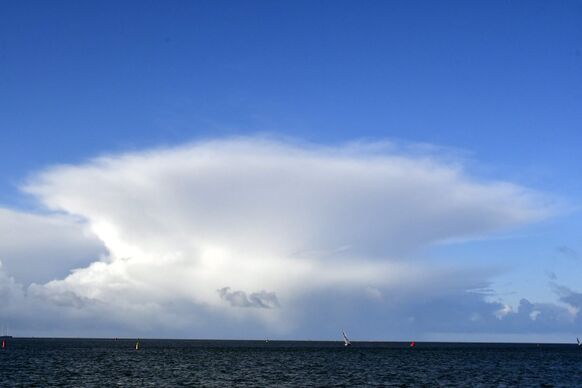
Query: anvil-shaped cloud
point(190, 230)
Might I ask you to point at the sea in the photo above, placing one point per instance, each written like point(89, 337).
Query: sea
point(34, 362)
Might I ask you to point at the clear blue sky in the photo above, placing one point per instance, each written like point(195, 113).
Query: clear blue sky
point(500, 81)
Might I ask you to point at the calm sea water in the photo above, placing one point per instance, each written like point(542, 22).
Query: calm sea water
point(160, 363)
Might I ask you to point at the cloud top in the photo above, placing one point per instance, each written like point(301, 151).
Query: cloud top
point(261, 195)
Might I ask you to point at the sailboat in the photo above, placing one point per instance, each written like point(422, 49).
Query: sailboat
point(578, 340)
point(347, 341)
point(137, 345)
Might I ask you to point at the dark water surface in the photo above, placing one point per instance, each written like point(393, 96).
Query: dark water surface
point(159, 363)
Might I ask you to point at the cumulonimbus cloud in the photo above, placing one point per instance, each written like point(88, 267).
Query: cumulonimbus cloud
point(297, 220)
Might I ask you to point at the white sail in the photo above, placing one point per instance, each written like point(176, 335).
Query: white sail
point(347, 341)
point(578, 339)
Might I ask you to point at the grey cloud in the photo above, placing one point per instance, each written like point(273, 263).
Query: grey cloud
point(65, 298)
point(463, 314)
point(551, 275)
point(401, 314)
point(539, 317)
point(568, 296)
point(40, 248)
point(261, 299)
point(568, 252)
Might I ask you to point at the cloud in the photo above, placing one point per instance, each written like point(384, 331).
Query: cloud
point(286, 197)
point(567, 252)
point(39, 248)
point(568, 296)
point(262, 299)
point(323, 228)
point(374, 293)
point(551, 275)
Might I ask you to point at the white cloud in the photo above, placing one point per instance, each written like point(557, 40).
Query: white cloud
point(373, 293)
point(503, 311)
point(269, 223)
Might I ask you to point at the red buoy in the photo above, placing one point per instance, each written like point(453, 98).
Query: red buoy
point(3, 344)
point(412, 344)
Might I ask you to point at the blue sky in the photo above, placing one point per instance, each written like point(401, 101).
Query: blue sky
point(493, 86)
